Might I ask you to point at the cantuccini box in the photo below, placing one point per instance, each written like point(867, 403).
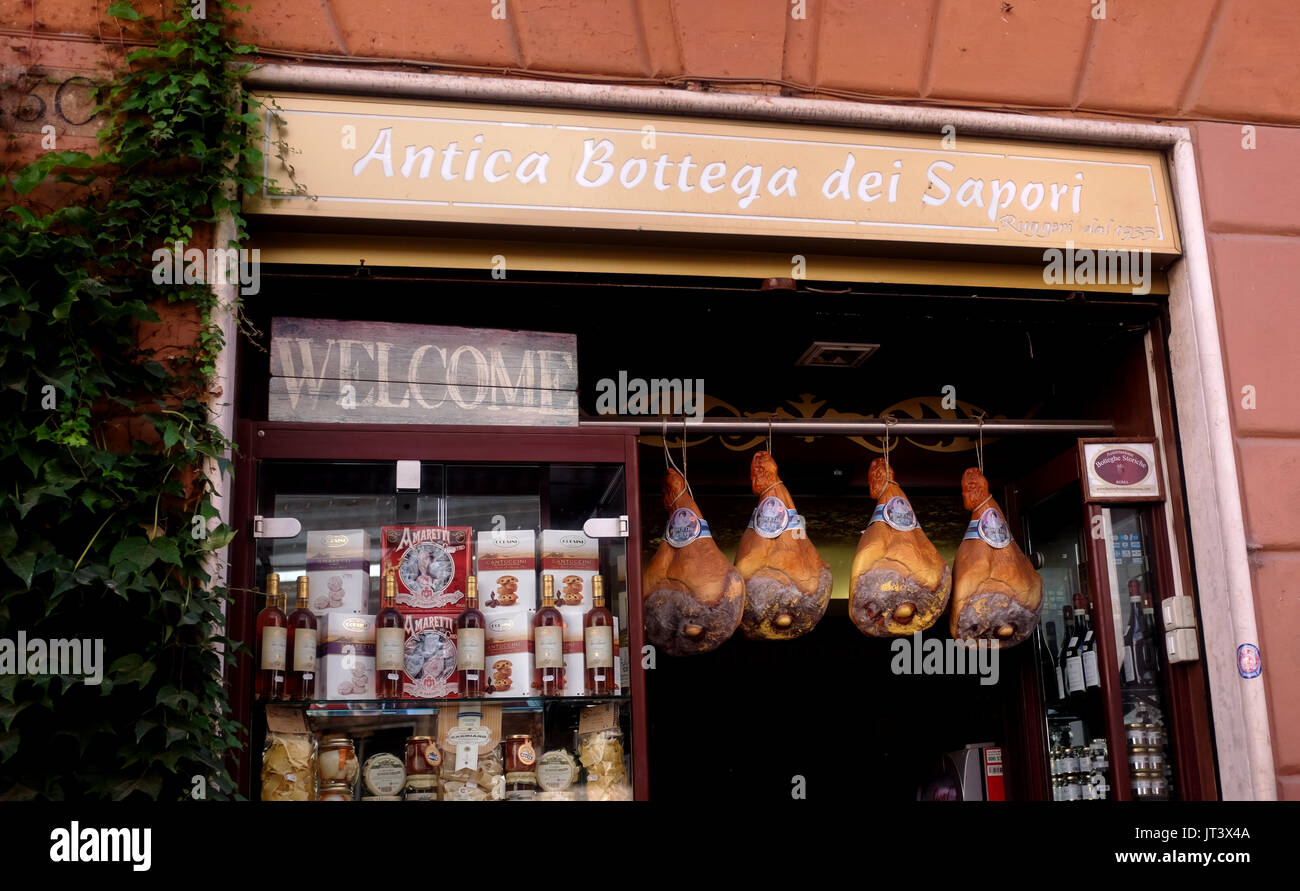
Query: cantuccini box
point(345, 656)
point(573, 559)
point(432, 563)
point(429, 660)
point(507, 570)
point(508, 658)
point(338, 570)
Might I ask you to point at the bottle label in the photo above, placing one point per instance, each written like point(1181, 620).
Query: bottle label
point(1091, 677)
point(1060, 684)
point(390, 645)
point(1074, 675)
point(599, 646)
point(275, 645)
point(548, 646)
point(304, 649)
point(469, 649)
point(1130, 672)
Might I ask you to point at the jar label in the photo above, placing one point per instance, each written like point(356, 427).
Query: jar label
point(470, 649)
point(526, 754)
point(304, 649)
point(384, 774)
point(390, 645)
point(599, 646)
point(275, 645)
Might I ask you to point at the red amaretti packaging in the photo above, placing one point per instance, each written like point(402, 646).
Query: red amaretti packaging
point(429, 660)
point(432, 564)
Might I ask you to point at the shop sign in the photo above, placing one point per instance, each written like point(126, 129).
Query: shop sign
point(1120, 470)
point(388, 373)
point(458, 163)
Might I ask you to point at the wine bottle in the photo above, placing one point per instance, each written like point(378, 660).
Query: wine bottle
point(1087, 646)
point(1054, 683)
point(390, 642)
point(272, 643)
point(470, 631)
point(1134, 634)
point(548, 643)
point(1075, 689)
point(302, 646)
point(1147, 661)
point(598, 643)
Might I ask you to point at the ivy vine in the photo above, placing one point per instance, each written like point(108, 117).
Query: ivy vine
point(103, 442)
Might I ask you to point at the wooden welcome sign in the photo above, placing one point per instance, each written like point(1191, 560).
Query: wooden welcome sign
point(386, 373)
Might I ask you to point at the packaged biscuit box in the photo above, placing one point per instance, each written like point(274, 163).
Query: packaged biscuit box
point(508, 659)
point(345, 656)
point(573, 559)
point(431, 562)
point(338, 570)
point(507, 570)
point(429, 660)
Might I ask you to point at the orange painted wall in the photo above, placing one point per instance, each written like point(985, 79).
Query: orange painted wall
point(1217, 64)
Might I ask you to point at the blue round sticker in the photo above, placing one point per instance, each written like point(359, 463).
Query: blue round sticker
point(1249, 662)
point(993, 529)
point(771, 517)
point(898, 514)
point(683, 527)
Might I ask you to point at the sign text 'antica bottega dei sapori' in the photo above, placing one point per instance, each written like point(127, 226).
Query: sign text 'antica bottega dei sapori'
point(462, 163)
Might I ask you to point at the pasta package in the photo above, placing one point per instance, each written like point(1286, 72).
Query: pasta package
point(289, 757)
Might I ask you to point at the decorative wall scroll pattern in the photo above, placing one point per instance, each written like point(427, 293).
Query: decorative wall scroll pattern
point(808, 407)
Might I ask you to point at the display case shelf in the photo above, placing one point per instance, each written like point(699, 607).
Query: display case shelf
point(358, 708)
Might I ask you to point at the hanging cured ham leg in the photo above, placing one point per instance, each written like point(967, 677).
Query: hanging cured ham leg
point(693, 595)
point(997, 594)
point(899, 584)
point(787, 584)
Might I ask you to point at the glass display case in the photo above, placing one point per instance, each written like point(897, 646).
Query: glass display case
point(1134, 592)
point(1099, 649)
point(1068, 651)
point(449, 627)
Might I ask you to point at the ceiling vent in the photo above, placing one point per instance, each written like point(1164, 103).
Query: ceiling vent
point(827, 354)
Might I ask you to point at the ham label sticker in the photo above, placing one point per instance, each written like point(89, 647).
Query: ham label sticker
point(993, 530)
point(898, 514)
point(1121, 471)
point(684, 526)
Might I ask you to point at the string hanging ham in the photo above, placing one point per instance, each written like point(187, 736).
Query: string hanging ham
point(692, 594)
point(787, 584)
point(899, 584)
point(997, 594)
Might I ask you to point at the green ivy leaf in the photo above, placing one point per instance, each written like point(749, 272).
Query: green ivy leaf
point(22, 564)
point(142, 727)
point(8, 745)
point(168, 550)
point(135, 551)
point(9, 712)
point(150, 785)
point(123, 10)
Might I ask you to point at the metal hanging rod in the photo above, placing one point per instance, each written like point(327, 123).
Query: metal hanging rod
point(835, 427)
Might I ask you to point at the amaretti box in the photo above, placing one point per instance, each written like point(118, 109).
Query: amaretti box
point(429, 660)
point(508, 662)
point(432, 564)
point(345, 656)
point(338, 570)
point(507, 570)
point(573, 560)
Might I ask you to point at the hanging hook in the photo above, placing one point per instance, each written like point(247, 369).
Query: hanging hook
point(979, 445)
point(769, 435)
point(890, 421)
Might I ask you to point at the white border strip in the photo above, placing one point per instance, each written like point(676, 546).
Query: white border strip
point(1244, 750)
